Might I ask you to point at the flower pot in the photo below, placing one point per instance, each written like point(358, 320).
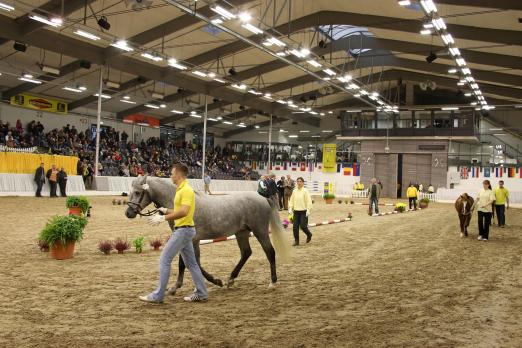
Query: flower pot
point(120, 251)
point(59, 252)
point(423, 205)
point(328, 200)
point(75, 211)
point(156, 247)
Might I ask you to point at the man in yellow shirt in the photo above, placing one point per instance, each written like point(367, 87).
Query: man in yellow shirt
point(412, 195)
point(501, 203)
point(181, 239)
point(300, 205)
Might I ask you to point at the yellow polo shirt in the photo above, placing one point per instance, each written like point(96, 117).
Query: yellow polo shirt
point(185, 196)
point(500, 195)
point(412, 192)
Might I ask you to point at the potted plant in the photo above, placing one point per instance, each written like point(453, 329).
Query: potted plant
point(423, 203)
point(156, 243)
point(77, 205)
point(61, 233)
point(121, 245)
point(44, 247)
point(138, 243)
point(350, 215)
point(400, 207)
point(105, 246)
point(329, 197)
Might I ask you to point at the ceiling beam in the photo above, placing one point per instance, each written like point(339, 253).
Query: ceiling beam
point(140, 39)
point(500, 4)
point(124, 86)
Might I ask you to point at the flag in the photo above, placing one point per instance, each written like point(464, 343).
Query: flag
point(487, 172)
point(498, 172)
point(511, 172)
point(356, 170)
point(475, 172)
point(285, 165)
point(347, 171)
point(310, 166)
point(339, 165)
point(463, 172)
point(303, 166)
point(254, 165)
point(277, 168)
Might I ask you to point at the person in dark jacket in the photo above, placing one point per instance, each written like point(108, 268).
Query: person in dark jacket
point(62, 181)
point(39, 178)
point(281, 191)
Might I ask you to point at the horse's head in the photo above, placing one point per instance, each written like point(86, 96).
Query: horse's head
point(139, 197)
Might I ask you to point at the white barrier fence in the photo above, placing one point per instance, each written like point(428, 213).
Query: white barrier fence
point(23, 184)
point(433, 197)
point(4, 148)
point(360, 193)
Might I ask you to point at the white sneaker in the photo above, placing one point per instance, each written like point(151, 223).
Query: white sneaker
point(484, 239)
point(479, 238)
point(194, 298)
point(461, 235)
point(149, 300)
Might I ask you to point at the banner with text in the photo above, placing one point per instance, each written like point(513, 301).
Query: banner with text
point(329, 158)
point(39, 103)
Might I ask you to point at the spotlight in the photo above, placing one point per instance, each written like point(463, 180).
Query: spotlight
point(241, 107)
point(102, 22)
point(322, 44)
point(312, 97)
point(232, 71)
point(303, 99)
point(20, 47)
point(85, 64)
point(431, 57)
point(181, 91)
point(215, 100)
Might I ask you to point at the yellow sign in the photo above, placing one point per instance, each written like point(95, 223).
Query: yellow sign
point(39, 103)
point(329, 158)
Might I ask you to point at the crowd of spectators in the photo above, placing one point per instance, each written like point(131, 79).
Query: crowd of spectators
point(121, 157)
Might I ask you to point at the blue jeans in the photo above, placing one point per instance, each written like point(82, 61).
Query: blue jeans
point(376, 202)
point(180, 241)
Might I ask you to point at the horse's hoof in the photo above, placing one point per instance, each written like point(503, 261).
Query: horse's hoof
point(171, 291)
point(230, 283)
point(461, 235)
point(219, 283)
point(272, 286)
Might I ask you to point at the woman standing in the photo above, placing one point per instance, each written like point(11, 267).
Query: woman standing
point(484, 204)
point(300, 204)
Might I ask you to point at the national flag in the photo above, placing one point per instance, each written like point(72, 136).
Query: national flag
point(277, 168)
point(475, 172)
point(339, 165)
point(356, 170)
point(511, 172)
point(347, 171)
point(487, 172)
point(254, 165)
point(463, 172)
point(303, 166)
point(310, 166)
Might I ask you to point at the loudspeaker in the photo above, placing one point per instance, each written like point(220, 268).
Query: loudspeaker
point(20, 47)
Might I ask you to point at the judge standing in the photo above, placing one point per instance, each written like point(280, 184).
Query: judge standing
point(52, 176)
point(300, 205)
point(62, 181)
point(39, 178)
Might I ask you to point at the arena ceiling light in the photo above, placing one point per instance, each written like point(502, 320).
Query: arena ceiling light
point(127, 101)
point(29, 78)
point(152, 57)
point(428, 6)
point(330, 72)
point(274, 41)
point(199, 73)
point(425, 32)
point(6, 7)
point(223, 12)
point(53, 22)
point(240, 86)
point(300, 53)
point(122, 45)
point(293, 136)
point(227, 122)
point(449, 108)
point(452, 71)
point(252, 28)
point(404, 3)
point(174, 63)
point(87, 35)
point(314, 63)
point(78, 89)
point(104, 96)
point(219, 80)
point(152, 106)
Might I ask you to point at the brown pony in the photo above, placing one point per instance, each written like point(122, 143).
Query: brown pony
point(463, 205)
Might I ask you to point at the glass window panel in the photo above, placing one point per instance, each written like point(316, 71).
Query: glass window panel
point(423, 119)
point(404, 119)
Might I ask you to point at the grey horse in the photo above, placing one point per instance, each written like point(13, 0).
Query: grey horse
point(219, 216)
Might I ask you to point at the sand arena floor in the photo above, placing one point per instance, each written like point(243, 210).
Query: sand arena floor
point(404, 280)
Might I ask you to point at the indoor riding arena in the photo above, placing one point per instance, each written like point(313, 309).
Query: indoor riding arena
point(260, 173)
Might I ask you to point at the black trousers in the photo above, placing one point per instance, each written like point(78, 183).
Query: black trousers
point(484, 220)
point(53, 188)
point(413, 201)
point(39, 185)
point(300, 221)
point(501, 214)
point(280, 195)
point(63, 185)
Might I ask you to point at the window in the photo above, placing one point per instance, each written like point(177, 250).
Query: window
point(384, 120)
point(368, 120)
point(423, 119)
point(442, 119)
point(404, 119)
point(337, 32)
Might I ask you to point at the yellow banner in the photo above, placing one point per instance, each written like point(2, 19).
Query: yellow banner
point(329, 158)
point(26, 163)
point(39, 103)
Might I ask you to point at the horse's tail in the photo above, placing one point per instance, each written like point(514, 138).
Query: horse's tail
point(281, 246)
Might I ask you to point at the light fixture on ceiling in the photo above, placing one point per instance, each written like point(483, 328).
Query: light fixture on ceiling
point(327, 131)
point(152, 106)
point(122, 45)
point(329, 72)
point(156, 95)
point(239, 86)
point(177, 112)
point(74, 89)
point(425, 32)
point(53, 22)
point(428, 6)
point(273, 41)
point(199, 73)
point(245, 17)
point(152, 57)
point(460, 62)
point(127, 101)
point(174, 63)
point(29, 78)
point(454, 51)
point(216, 21)
point(404, 3)
point(163, 106)
point(20, 47)
point(447, 39)
point(223, 12)
point(6, 7)
point(252, 28)
point(449, 108)
point(219, 80)
point(104, 96)
point(431, 57)
point(112, 84)
point(293, 136)
point(314, 63)
point(257, 126)
point(87, 35)
point(227, 122)
point(50, 69)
